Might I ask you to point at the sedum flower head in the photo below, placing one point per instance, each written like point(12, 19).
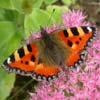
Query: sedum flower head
point(74, 18)
point(72, 84)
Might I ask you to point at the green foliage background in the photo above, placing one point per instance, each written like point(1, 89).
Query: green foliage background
point(17, 19)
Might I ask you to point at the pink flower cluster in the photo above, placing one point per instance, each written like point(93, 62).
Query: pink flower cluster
point(72, 84)
point(74, 18)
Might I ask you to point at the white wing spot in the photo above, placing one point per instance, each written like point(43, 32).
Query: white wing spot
point(8, 60)
point(90, 30)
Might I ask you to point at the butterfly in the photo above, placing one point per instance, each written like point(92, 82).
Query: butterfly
point(42, 59)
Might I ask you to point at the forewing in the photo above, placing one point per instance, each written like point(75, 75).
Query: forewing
point(76, 39)
point(24, 61)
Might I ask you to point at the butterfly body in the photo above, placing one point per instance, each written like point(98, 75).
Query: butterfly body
point(52, 51)
point(43, 58)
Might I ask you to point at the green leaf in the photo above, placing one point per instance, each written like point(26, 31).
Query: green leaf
point(7, 4)
point(2, 14)
point(10, 15)
point(43, 18)
point(37, 3)
point(27, 6)
point(48, 2)
point(36, 19)
point(68, 2)
point(12, 42)
point(8, 38)
point(58, 11)
point(17, 4)
point(7, 30)
point(23, 6)
point(6, 84)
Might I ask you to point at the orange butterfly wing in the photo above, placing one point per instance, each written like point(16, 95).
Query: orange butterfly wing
point(76, 39)
point(24, 61)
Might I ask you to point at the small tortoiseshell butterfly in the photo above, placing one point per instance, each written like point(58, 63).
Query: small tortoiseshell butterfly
point(43, 58)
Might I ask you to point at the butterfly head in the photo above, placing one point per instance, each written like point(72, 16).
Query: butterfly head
point(43, 31)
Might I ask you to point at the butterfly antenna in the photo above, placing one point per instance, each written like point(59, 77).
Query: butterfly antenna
point(41, 28)
point(50, 16)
